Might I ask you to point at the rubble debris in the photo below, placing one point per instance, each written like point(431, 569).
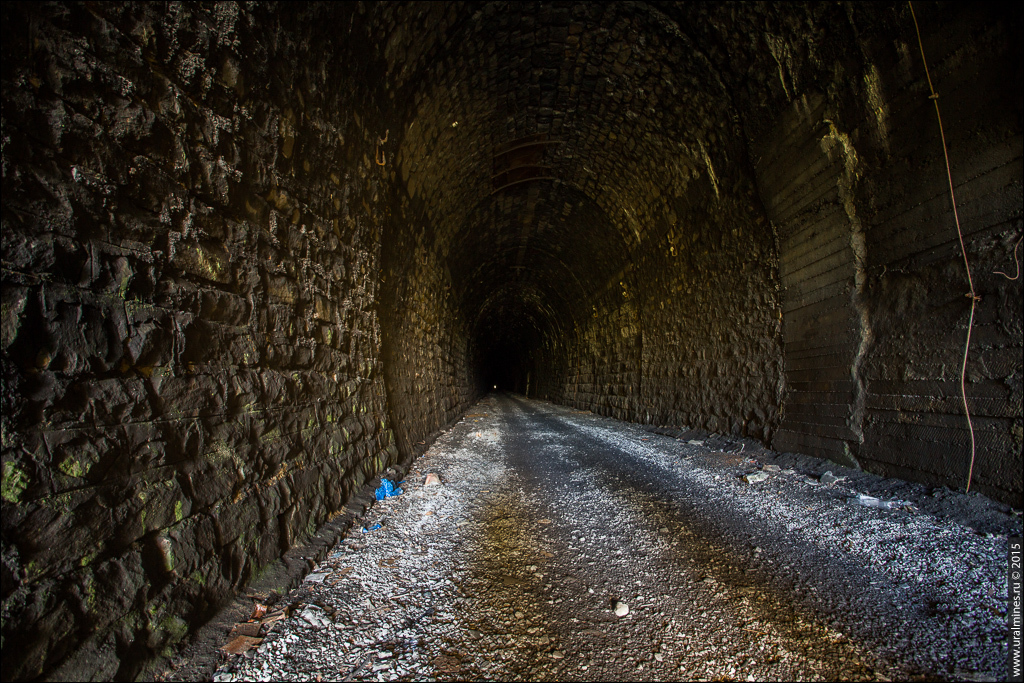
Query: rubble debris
point(246, 628)
point(872, 502)
point(828, 478)
point(241, 644)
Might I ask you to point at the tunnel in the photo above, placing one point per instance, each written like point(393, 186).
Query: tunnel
point(256, 254)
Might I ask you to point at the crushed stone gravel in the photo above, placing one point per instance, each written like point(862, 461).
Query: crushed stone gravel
point(564, 545)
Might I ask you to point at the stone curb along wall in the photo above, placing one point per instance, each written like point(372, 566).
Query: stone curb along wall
point(190, 341)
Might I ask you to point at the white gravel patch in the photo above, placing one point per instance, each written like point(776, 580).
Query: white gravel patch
point(562, 545)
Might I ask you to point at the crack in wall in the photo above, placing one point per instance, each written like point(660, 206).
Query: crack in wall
point(835, 141)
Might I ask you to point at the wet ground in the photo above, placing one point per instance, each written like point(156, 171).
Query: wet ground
point(563, 545)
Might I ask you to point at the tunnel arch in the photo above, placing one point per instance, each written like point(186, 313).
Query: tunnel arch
point(509, 332)
point(449, 124)
point(534, 231)
point(652, 173)
point(255, 256)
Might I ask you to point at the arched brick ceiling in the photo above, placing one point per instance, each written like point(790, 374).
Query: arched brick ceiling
point(636, 130)
point(528, 238)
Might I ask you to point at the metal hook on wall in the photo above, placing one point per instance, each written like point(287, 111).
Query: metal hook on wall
point(378, 156)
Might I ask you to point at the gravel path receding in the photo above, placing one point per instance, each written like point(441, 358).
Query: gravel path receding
point(563, 545)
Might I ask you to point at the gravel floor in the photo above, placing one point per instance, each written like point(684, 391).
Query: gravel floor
point(563, 545)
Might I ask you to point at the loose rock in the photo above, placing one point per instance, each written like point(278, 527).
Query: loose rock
point(828, 478)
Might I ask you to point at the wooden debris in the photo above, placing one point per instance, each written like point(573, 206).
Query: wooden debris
point(250, 629)
point(241, 644)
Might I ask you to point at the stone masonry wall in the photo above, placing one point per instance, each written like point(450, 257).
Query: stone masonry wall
point(837, 328)
point(914, 426)
point(688, 334)
point(711, 337)
point(254, 254)
point(427, 362)
point(874, 309)
point(191, 371)
point(805, 171)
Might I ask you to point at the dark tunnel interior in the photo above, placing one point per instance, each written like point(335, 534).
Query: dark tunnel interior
point(255, 254)
point(506, 341)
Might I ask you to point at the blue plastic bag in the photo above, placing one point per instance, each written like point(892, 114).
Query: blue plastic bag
point(387, 489)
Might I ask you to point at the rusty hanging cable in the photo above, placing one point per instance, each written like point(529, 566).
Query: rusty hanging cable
point(972, 295)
